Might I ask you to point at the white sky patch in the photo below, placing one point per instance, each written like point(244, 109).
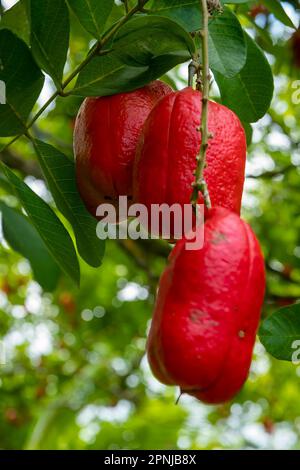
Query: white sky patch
point(9, 3)
point(47, 90)
point(132, 291)
point(41, 343)
point(111, 414)
point(153, 385)
point(33, 302)
point(39, 187)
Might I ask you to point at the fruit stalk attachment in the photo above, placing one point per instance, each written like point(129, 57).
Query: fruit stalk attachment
point(203, 81)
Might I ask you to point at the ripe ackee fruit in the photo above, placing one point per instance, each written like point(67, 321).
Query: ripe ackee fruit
point(168, 146)
point(208, 310)
point(105, 138)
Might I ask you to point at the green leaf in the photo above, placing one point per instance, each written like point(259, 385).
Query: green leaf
point(185, 12)
point(107, 75)
point(92, 14)
point(16, 20)
point(48, 225)
point(227, 48)
point(275, 7)
point(59, 172)
point(278, 332)
point(144, 49)
point(24, 238)
point(248, 131)
point(50, 36)
point(227, 45)
point(249, 93)
point(153, 41)
point(23, 81)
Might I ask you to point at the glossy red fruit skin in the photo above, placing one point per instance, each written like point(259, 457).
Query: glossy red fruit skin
point(168, 146)
point(207, 311)
point(106, 133)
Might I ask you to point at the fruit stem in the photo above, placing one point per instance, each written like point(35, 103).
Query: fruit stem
point(200, 183)
point(126, 5)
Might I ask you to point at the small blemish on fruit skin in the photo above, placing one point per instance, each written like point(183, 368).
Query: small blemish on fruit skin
point(197, 316)
point(218, 238)
point(241, 334)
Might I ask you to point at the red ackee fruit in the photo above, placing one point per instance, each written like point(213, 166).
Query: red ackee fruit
point(258, 10)
point(168, 146)
point(105, 139)
point(208, 310)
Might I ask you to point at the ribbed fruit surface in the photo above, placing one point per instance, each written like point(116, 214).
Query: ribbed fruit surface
point(208, 310)
point(106, 133)
point(169, 144)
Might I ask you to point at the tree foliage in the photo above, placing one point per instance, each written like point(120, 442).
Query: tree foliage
point(76, 376)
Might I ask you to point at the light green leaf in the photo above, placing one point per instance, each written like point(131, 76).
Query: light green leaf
point(280, 333)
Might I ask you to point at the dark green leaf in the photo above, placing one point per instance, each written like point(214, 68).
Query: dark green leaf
point(50, 35)
point(107, 75)
point(153, 41)
point(249, 132)
point(24, 238)
point(16, 19)
point(92, 14)
point(249, 93)
point(144, 49)
point(23, 81)
point(59, 172)
point(185, 12)
point(279, 332)
point(48, 225)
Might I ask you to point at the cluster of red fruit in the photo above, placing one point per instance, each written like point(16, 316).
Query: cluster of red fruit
point(144, 145)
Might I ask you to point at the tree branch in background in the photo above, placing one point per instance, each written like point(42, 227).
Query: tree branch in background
point(273, 173)
point(134, 251)
point(16, 162)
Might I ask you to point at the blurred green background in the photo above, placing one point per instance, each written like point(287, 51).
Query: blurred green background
point(76, 376)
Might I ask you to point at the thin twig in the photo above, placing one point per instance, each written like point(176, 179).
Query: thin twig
point(200, 183)
point(126, 5)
